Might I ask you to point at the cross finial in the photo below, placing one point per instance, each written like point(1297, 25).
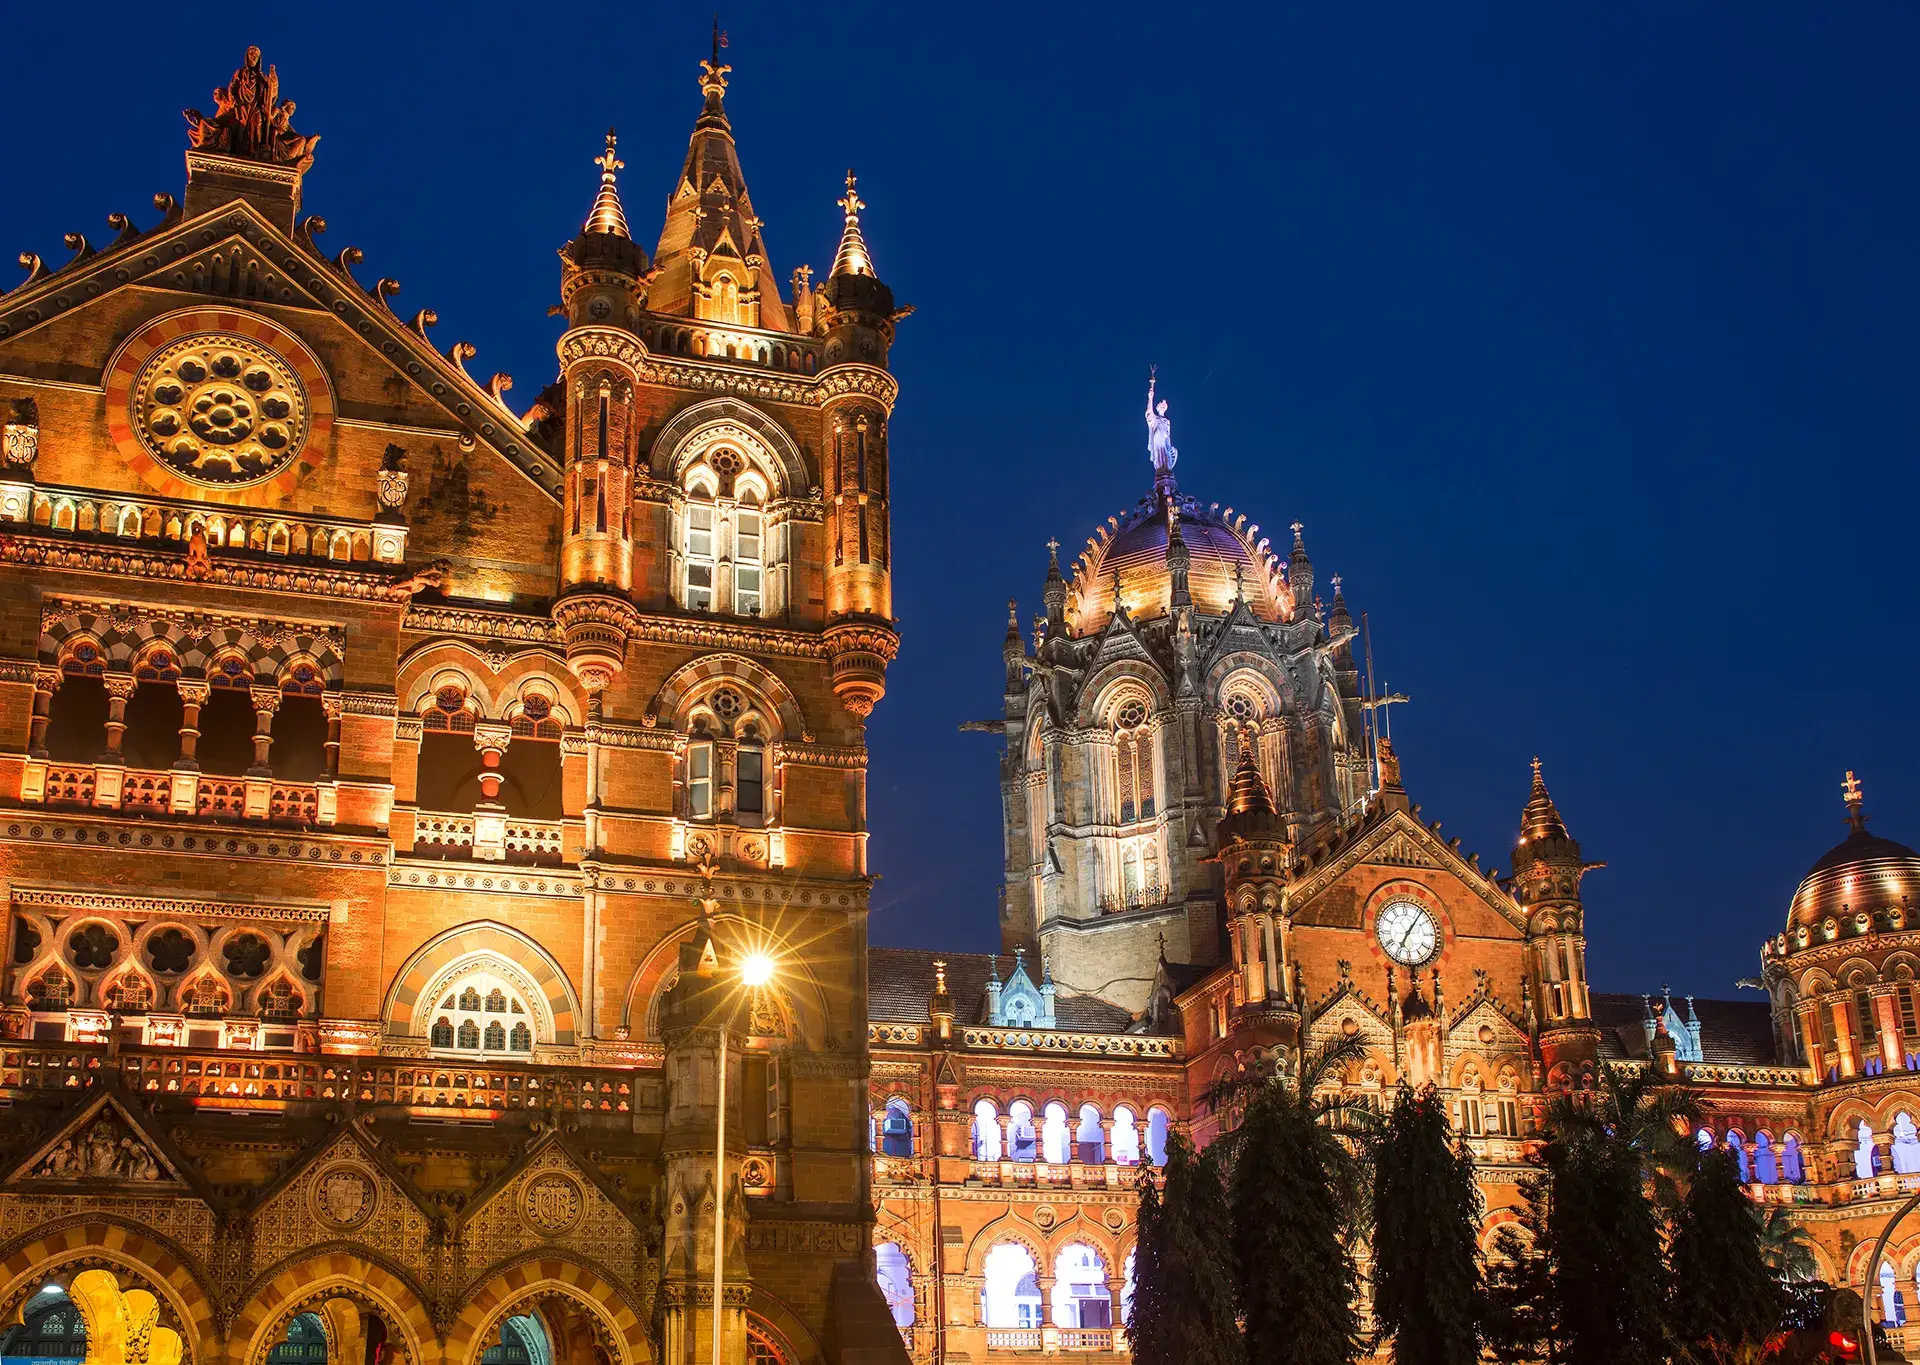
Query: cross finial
point(852, 204)
point(1851, 791)
point(1536, 766)
point(1297, 528)
point(1336, 585)
point(1053, 549)
point(607, 161)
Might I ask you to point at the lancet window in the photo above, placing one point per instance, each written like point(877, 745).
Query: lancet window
point(725, 770)
point(1133, 762)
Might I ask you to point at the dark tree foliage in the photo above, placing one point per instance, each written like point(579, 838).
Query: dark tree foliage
point(1183, 1309)
point(1584, 1282)
point(1727, 1303)
point(1296, 1198)
point(1426, 1216)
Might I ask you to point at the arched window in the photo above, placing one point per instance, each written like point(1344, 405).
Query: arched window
point(1242, 710)
point(1054, 1136)
point(700, 775)
point(1089, 1138)
point(1790, 1165)
point(698, 551)
point(304, 1344)
point(1704, 1139)
point(1080, 1294)
point(1159, 1124)
point(1132, 762)
point(482, 1013)
point(895, 1278)
point(1126, 1137)
point(522, 1341)
point(50, 1328)
point(1126, 1293)
point(530, 768)
point(986, 1132)
point(1893, 1303)
point(1766, 1169)
point(747, 555)
point(1010, 1288)
point(724, 303)
point(1737, 1144)
point(1906, 1144)
point(1866, 1158)
point(896, 1129)
point(1023, 1139)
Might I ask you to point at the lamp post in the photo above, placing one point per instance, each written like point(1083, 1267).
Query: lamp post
point(756, 970)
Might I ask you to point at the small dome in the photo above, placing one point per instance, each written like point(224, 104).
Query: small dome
point(1861, 872)
point(1217, 543)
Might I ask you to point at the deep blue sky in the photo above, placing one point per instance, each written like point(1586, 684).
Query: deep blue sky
point(1581, 339)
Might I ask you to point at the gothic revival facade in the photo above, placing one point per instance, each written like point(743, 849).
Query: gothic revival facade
point(397, 780)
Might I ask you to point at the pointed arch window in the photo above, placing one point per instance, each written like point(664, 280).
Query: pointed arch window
point(1133, 761)
point(481, 1014)
point(748, 535)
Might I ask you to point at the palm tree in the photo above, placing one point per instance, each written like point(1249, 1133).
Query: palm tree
point(1653, 1117)
point(1785, 1245)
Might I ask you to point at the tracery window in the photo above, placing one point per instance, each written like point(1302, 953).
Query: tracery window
point(699, 556)
point(725, 554)
point(484, 1014)
point(1133, 762)
point(747, 557)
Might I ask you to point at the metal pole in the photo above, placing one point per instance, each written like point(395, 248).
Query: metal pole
point(720, 1195)
point(1873, 1264)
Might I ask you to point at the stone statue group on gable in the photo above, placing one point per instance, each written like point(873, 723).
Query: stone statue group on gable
point(251, 121)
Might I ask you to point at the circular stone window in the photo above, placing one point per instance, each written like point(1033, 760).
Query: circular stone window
point(219, 409)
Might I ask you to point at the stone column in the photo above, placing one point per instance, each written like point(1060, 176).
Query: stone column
point(193, 695)
point(491, 738)
point(266, 701)
point(334, 705)
point(46, 682)
point(725, 755)
point(120, 688)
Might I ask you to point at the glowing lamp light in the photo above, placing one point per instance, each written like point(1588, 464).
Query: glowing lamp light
point(756, 969)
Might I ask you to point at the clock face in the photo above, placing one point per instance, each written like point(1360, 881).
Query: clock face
point(1407, 932)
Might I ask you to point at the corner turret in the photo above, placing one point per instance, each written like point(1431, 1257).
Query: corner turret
point(1547, 871)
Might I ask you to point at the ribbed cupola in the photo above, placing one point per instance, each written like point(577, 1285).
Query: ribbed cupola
point(712, 259)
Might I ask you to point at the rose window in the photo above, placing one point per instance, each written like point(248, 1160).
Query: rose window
point(1133, 714)
point(727, 703)
point(220, 409)
point(246, 955)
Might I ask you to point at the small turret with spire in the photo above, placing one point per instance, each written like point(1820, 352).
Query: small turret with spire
point(860, 311)
point(1054, 594)
point(1547, 871)
point(1300, 576)
point(603, 269)
point(1014, 651)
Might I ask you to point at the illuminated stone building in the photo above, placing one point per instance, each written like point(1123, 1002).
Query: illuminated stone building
point(395, 782)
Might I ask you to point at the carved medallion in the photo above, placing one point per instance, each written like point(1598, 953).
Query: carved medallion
point(344, 1196)
point(220, 408)
point(551, 1203)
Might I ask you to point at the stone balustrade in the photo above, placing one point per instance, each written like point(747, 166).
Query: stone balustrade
point(168, 521)
point(489, 836)
point(178, 792)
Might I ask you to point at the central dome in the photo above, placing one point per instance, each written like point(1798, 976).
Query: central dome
point(1861, 872)
point(1221, 546)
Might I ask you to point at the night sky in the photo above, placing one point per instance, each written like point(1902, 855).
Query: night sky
point(1581, 339)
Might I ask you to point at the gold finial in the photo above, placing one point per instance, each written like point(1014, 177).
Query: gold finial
point(714, 81)
point(1852, 793)
point(1536, 768)
point(607, 215)
point(607, 161)
point(852, 202)
point(940, 976)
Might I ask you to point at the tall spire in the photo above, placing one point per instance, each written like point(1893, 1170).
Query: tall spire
point(1541, 820)
point(1300, 574)
point(1054, 594)
point(852, 258)
point(607, 215)
point(711, 256)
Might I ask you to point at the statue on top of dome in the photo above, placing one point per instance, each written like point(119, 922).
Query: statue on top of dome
point(1160, 447)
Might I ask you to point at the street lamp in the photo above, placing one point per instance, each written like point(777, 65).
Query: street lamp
point(756, 970)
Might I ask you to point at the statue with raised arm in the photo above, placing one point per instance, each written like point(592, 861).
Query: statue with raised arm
point(1159, 432)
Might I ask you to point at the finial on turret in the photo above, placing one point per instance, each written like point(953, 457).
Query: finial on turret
point(1854, 796)
point(853, 257)
point(607, 215)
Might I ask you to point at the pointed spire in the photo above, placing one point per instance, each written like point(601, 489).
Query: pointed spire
point(1541, 819)
point(1300, 572)
point(607, 215)
point(1014, 650)
point(1340, 620)
point(1250, 794)
point(852, 258)
point(1054, 595)
point(1855, 798)
point(1178, 558)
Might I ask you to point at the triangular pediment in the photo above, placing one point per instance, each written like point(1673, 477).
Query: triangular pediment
point(554, 1196)
point(1506, 1035)
point(233, 255)
point(341, 1186)
point(1399, 840)
point(108, 1142)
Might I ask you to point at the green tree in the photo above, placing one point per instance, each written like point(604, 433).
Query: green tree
point(1183, 1309)
point(1727, 1302)
point(1427, 1289)
point(1785, 1245)
point(1298, 1199)
point(1582, 1281)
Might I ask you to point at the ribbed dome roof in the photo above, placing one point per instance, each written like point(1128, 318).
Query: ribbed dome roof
point(1861, 872)
point(1218, 541)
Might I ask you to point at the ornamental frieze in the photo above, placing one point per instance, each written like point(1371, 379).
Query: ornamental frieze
point(65, 901)
point(331, 581)
point(435, 875)
point(826, 1239)
point(140, 834)
point(191, 623)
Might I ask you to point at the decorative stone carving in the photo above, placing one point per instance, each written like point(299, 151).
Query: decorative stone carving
point(106, 1151)
point(551, 1203)
point(220, 408)
point(344, 1196)
point(21, 443)
point(250, 121)
point(392, 488)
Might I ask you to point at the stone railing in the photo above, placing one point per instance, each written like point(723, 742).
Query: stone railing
point(1013, 1338)
point(897, 1034)
point(1086, 1339)
point(1149, 897)
point(254, 1080)
point(1142, 1045)
point(1078, 1175)
point(177, 792)
point(165, 521)
point(489, 836)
